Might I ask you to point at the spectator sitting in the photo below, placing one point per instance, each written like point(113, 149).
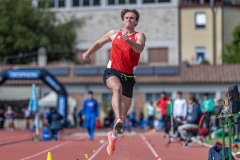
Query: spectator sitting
point(55, 124)
point(191, 121)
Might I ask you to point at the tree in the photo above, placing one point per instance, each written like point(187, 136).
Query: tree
point(232, 50)
point(24, 29)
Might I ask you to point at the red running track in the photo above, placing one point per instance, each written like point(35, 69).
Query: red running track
point(138, 146)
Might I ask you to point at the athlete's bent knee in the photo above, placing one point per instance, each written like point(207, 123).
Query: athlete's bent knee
point(117, 88)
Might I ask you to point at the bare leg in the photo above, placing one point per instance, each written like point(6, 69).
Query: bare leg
point(126, 104)
point(114, 84)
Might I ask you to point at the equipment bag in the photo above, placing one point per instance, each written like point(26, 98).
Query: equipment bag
point(215, 153)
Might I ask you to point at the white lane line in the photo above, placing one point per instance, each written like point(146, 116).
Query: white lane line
point(150, 147)
point(49, 149)
point(98, 150)
point(45, 151)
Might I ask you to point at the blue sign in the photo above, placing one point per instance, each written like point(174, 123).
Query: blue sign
point(62, 103)
point(23, 74)
point(34, 74)
point(52, 83)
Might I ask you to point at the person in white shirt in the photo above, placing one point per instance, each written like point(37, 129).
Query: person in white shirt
point(151, 114)
point(179, 110)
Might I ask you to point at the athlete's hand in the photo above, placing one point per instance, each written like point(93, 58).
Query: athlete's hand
point(125, 37)
point(86, 57)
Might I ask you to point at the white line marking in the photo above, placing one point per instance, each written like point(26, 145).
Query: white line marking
point(99, 149)
point(47, 150)
point(150, 147)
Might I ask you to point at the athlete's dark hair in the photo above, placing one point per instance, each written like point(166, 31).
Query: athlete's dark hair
point(124, 11)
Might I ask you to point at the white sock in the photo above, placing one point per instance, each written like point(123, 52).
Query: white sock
point(114, 137)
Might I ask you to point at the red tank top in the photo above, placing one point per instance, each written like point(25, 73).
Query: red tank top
point(122, 57)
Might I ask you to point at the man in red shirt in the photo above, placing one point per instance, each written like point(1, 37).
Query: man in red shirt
point(162, 107)
point(127, 44)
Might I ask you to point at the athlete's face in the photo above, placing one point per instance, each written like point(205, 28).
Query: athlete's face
point(129, 20)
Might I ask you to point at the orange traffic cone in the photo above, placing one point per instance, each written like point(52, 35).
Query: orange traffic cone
point(49, 156)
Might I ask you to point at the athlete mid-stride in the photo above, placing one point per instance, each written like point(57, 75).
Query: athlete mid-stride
point(119, 75)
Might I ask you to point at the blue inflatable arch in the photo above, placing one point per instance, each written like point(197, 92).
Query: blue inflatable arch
point(39, 74)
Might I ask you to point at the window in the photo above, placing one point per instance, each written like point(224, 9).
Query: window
point(41, 4)
point(164, 1)
point(155, 1)
point(111, 2)
point(117, 2)
point(51, 3)
point(46, 3)
point(200, 20)
point(61, 3)
point(153, 97)
point(96, 2)
point(148, 1)
point(200, 55)
point(77, 3)
point(86, 3)
point(132, 2)
point(106, 98)
point(106, 102)
point(122, 1)
point(158, 55)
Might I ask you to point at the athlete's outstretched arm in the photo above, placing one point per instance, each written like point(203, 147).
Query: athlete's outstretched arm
point(139, 45)
point(97, 45)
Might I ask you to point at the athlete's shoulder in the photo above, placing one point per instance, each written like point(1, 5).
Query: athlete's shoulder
point(113, 31)
point(140, 34)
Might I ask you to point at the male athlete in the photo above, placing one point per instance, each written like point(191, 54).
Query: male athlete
point(127, 44)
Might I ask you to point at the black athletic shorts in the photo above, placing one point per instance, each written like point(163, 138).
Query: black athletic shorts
point(127, 81)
